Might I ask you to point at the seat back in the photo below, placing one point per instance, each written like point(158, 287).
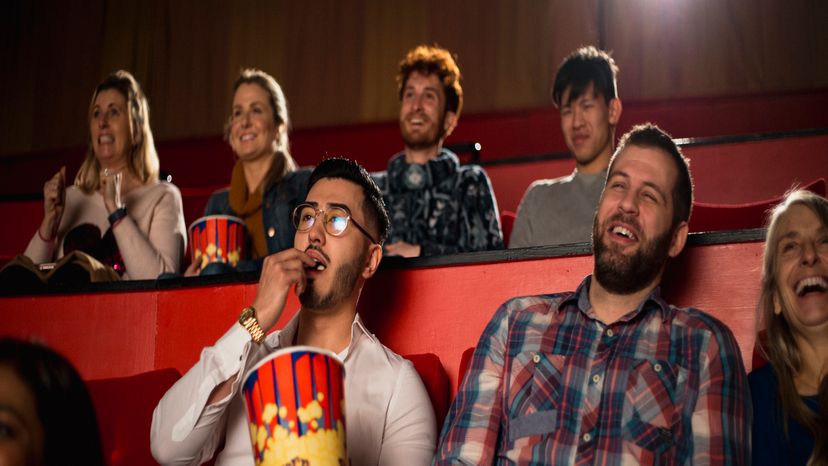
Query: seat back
point(124, 407)
point(436, 381)
point(507, 221)
point(713, 217)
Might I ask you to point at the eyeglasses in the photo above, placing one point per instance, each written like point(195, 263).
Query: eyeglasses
point(336, 220)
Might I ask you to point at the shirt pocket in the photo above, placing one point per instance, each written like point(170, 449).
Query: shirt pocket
point(535, 395)
point(652, 414)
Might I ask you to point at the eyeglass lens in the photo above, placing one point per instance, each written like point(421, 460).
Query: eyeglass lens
point(336, 219)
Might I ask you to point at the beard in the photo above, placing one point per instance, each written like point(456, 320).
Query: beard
point(430, 138)
point(344, 282)
point(621, 274)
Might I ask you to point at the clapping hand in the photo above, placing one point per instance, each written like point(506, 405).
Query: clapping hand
point(111, 190)
point(54, 200)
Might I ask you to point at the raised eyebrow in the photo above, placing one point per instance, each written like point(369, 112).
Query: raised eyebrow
point(341, 206)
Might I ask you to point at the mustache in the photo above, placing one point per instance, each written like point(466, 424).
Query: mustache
point(319, 250)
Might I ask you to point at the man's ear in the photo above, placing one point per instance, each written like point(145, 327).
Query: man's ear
point(449, 123)
point(679, 239)
point(615, 109)
point(374, 258)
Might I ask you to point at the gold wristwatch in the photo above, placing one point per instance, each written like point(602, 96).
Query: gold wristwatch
point(248, 320)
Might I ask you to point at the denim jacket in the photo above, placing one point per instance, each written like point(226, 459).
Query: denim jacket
point(279, 201)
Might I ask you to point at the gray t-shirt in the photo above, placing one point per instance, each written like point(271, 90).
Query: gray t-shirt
point(558, 211)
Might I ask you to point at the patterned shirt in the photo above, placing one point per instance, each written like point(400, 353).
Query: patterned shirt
point(549, 383)
point(442, 206)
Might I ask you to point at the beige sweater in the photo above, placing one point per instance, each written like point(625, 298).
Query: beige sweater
point(152, 238)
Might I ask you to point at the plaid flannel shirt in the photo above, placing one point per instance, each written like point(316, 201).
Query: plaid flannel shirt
point(549, 383)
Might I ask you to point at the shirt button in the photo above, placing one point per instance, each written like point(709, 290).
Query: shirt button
point(587, 437)
point(596, 378)
point(271, 232)
point(657, 367)
point(610, 333)
point(536, 358)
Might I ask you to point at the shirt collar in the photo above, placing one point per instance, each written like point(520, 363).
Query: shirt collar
point(580, 297)
point(286, 335)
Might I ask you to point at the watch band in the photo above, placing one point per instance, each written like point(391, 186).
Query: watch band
point(116, 216)
point(248, 320)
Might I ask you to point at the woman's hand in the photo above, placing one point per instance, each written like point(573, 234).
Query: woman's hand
point(54, 199)
point(111, 190)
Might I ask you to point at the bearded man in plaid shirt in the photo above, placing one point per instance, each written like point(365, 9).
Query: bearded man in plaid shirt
point(609, 373)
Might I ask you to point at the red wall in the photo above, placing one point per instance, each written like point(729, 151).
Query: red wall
point(441, 310)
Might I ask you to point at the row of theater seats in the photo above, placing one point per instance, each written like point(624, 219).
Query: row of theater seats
point(735, 182)
point(125, 427)
point(408, 308)
point(708, 216)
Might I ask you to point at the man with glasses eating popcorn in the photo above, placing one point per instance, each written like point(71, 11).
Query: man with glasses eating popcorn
point(340, 229)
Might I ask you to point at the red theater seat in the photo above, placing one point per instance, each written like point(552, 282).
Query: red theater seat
point(714, 217)
point(465, 360)
point(759, 358)
point(507, 221)
point(436, 381)
point(124, 407)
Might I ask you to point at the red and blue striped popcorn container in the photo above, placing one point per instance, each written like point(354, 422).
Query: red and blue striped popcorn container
point(296, 408)
point(218, 238)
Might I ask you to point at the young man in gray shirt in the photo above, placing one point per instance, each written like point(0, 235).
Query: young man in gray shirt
point(561, 210)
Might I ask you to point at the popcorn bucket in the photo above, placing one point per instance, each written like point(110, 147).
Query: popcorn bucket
point(296, 408)
point(218, 238)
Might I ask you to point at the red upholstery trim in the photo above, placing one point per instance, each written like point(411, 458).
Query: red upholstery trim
point(436, 381)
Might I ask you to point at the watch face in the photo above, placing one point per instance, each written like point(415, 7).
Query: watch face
point(246, 314)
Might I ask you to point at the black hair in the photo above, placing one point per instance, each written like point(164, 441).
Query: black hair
point(372, 204)
point(651, 136)
point(583, 67)
point(64, 407)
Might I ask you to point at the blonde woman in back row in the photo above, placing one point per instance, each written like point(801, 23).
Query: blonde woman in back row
point(117, 211)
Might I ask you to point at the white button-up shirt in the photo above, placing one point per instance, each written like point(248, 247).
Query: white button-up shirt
point(388, 415)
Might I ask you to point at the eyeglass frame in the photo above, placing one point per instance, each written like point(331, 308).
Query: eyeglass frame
point(348, 219)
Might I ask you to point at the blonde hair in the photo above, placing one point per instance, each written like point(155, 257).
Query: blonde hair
point(780, 348)
point(142, 161)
